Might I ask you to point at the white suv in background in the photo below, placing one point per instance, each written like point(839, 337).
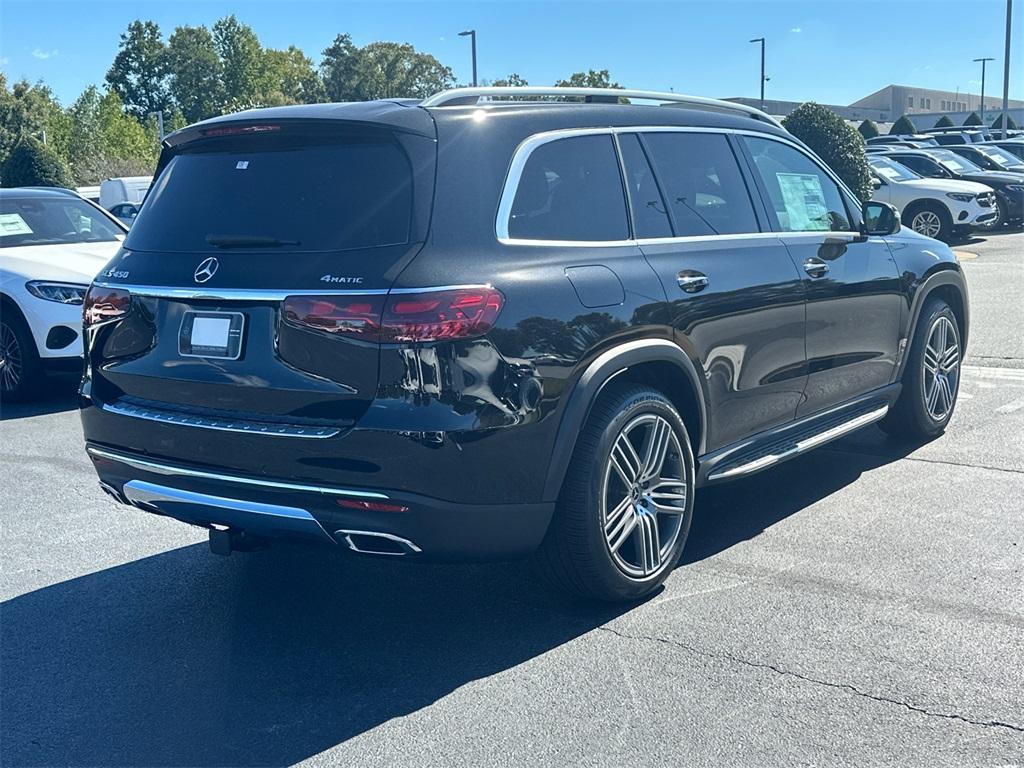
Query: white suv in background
point(52, 244)
point(938, 208)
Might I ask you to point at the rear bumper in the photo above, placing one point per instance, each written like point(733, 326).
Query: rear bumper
point(268, 508)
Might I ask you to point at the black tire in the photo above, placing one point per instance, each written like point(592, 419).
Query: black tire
point(912, 417)
point(576, 554)
point(917, 215)
point(21, 373)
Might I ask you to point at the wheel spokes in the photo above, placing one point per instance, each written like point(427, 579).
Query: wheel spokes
point(666, 490)
point(648, 543)
point(626, 461)
point(655, 450)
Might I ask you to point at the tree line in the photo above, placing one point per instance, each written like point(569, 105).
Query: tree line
point(195, 73)
point(905, 126)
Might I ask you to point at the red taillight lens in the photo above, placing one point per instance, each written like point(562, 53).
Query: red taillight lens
point(460, 313)
point(101, 305)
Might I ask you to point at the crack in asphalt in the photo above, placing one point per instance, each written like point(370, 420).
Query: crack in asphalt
point(891, 459)
point(788, 673)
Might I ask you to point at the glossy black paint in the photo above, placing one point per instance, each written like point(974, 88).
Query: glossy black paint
point(475, 435)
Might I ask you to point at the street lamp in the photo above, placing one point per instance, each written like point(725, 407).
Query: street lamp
point(1006, 71)
point(763, 78)
point(988, 58)
point(472, 36)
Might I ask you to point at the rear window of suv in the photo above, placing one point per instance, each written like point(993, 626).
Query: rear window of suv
point(292, 195)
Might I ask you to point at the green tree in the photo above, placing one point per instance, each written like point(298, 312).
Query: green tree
point(997, 124)
point(973, 119)
point(290, 77)
point(30, 110)
point(868, 129)
point(903, 127)
point(107, 141)
point(512, 80)
point(835, 142)
point(393, 70)
point(338, 69)
point(139, 71)
point(33, 164)
point(592, 78)
point(241, 56)
point(944, 122)
point(195, 73)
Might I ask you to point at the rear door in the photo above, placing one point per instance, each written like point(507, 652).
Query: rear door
point(237, 221)
point(852, 284)
point(736, 300)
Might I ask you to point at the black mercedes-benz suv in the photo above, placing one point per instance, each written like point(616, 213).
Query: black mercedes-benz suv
point(501, 322)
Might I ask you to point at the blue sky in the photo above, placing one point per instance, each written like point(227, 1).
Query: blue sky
point(831, 51)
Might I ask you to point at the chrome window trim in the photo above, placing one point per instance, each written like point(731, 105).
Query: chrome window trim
point(270, 294)
point(528, 145)
point(166, 469)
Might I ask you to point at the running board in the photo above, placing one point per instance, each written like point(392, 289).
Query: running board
point(759, 458)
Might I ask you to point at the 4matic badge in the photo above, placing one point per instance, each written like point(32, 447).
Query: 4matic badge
point(336, 279)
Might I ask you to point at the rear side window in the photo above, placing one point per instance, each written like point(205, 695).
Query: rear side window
point(702, 180)
point(570, 189)
point(53, 221)
point(294, 196)
point(650, 217)
point(803, 197)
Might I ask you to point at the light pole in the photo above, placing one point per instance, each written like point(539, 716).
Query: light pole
point(983, 61)
point(763, 78)
point(1006, 71)
point(472, 37)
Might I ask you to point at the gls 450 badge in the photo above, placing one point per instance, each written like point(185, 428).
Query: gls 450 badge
point(336, 279)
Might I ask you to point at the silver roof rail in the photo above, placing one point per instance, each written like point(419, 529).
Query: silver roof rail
point(476, 96)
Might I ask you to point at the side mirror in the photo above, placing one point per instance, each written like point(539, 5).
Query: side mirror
point(876, 182)
point(880, 219)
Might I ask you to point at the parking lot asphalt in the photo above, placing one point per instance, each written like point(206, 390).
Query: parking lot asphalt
point(860, 606)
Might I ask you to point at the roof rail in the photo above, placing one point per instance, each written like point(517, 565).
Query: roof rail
point(473, 96)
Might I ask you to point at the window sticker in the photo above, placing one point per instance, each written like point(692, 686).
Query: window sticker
point(804, 199)
point(13, 224)
point(889, 173)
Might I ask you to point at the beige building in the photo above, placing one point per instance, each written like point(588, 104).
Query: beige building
point(896, 100)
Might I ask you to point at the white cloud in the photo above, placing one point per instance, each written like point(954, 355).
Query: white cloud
point(796, 29)
point(39, 53)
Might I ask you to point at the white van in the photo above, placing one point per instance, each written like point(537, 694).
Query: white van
point(125, 189)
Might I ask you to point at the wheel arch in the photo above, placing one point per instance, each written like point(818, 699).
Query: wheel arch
point(922, 203)
point(658, 363)
point(950, 286)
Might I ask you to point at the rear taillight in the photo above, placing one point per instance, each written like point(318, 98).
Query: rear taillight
point(460, 313)
point(102, 305)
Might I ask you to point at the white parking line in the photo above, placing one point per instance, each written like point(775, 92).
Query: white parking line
point(986, 372)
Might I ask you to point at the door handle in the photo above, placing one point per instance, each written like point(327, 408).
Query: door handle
point(815, 267)
point(692, 282)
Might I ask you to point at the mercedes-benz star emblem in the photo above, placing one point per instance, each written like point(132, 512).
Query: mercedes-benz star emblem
point(207, 268)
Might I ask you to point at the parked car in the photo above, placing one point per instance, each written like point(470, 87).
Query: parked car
point(954, 138)
point(1014, 146)
point(126, 213)
point(501, 328)
point(939, 208)
point(944, 164)
point(124, 189)
point(52, 244)
point(989, 158)
point(917, 138)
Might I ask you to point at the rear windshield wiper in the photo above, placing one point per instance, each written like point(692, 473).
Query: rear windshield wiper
point(247, 241)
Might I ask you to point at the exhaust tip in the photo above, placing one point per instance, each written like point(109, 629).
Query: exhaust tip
point(377, 543)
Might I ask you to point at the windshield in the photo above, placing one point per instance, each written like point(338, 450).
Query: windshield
point(892, 171)
point(53, 221)
point(953, 162)
point(299, 194)
point(999, 156)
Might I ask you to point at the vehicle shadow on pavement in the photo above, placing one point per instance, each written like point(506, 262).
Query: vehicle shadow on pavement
point(187, 659)
point(57, 394)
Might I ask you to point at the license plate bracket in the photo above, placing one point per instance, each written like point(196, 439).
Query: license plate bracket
point(211, 334)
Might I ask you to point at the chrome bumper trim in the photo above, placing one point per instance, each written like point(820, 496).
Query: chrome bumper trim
point(169, 470)
point(271, 429)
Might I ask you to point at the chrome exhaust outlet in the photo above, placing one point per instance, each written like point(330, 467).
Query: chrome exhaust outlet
point(377, 543)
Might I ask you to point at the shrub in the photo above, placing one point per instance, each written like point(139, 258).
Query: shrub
point(33, 164)
point(903, 127)
point(973, 119)
point(997, 124)
point(835, 142)
point(868, 129)
point(944, 122)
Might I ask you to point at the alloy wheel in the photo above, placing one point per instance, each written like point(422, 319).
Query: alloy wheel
point(926, 223)
point(644, 496)
point(10, 359)
point(941, 375)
